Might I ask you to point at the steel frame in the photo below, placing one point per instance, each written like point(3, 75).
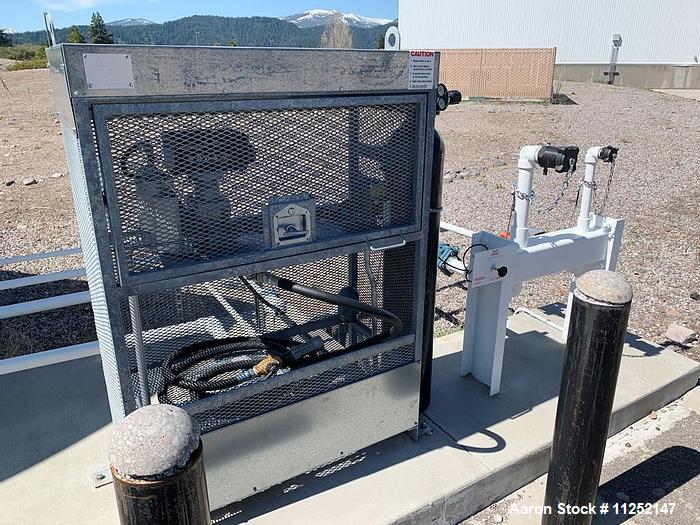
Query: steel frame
point(179, 79)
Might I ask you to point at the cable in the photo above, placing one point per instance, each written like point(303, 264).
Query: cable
point(261, 297)
point(464, 255)
point(445, 252)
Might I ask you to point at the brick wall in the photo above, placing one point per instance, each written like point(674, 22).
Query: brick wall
point(499, 73)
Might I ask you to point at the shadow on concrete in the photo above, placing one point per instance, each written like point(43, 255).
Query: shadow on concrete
point(523, 387)
point(648, 482)
point(45, 410)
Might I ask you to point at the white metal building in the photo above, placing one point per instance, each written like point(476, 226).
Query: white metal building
point(653, 31)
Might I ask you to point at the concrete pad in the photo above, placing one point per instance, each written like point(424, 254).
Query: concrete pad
point(56, 432)
point(509, 435)
point(655, 460)
point(692, 399)
point(55, 429)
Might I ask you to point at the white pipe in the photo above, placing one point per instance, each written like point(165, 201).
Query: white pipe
point(32, 280)
point(456, 229)
point(48, 357)
point(39, 256)
point(584, 217)
point(527, 162)
point(43, 305)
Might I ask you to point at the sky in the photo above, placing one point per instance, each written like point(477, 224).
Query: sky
point(28, 15)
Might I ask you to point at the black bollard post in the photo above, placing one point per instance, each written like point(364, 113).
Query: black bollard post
point(599, 315)
point(156, 463)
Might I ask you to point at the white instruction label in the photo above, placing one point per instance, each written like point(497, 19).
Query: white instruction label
point(108, 71)
point(421, 70)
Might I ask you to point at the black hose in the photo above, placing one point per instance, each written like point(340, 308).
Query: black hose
point(339, 300)
point(144, 147)
point(197, 369)
point(186, 368)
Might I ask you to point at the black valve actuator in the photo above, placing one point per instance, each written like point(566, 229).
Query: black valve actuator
point(562, 159)
point(608, 154)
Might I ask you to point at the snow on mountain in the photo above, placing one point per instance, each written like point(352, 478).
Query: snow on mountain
point(130, 22)
point(321, 17)
point(9, 30)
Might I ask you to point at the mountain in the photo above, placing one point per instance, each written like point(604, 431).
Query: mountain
point(217, 30)
point(9, 30)
point(322, 17)
point(127, 22)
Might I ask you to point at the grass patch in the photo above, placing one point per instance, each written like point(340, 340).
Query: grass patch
point(22, 52)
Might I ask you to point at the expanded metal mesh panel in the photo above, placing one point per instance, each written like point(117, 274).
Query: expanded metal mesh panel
point(93, 270)
point(176, 317)
point(198, 186)
point(304, 388)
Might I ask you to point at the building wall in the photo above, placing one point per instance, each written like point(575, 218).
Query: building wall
point(647, 76)
point(499, 73)
point(661, 31)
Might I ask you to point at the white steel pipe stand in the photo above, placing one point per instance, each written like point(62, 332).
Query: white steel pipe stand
point(498, 267)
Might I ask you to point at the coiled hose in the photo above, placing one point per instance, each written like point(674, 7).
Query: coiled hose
point(196, 370)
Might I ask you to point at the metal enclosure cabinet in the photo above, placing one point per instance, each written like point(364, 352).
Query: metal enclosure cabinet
point(192, 167)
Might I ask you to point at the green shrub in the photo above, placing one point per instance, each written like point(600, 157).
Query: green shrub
point(37, 60)
point(34, 63)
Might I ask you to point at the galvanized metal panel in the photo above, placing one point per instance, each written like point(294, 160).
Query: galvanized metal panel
point(399, 140)
point(256, 454)
point(179, 70)
point(661, 31)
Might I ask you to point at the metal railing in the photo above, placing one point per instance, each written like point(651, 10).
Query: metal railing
point(56, 355)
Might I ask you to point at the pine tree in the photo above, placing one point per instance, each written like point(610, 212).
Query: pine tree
point(4, 39)
point(337, 34)
point(380, 42)
point(75, 36)
point(98, 31)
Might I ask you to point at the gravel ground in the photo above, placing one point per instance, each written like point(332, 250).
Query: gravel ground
point(656, 189)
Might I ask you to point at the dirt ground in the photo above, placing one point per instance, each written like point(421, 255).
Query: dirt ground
point(656, 188)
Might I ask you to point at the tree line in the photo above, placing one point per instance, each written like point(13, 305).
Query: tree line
point(213, 30)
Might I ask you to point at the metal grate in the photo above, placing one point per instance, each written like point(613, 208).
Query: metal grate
point(304, 388)
point(177, 317)
point(196, 186)
point(212, 310)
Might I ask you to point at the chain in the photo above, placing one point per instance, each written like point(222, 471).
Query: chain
point(599, 210)
point(517, 194)
point(564, 186)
